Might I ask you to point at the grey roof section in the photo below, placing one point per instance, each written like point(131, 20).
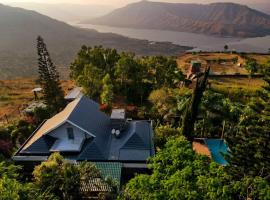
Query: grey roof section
point(134, 144)
point(91, 152)
point(134, 155)
point(138, 136)
point(42, 145)
point(74, 94)
point(88, 116)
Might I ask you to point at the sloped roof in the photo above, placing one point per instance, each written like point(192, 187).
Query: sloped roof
point(135, 140)
point(110, 169)
point(42, 145)
point(74, 113)
point(52, 123)
point(91, 152)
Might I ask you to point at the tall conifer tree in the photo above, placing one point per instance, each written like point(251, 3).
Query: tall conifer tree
point(49, 77)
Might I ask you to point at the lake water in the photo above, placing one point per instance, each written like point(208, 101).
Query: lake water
point(198, 41)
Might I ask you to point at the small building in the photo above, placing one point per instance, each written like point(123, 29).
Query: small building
point(216, 149)
point(74, 94)
point(81, 132)
point(194, 70)
point(36, 91)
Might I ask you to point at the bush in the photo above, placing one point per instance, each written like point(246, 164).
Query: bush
point(163, 133)
point(64, 179)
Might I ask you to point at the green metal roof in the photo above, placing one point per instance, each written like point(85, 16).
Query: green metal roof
point(110, 169)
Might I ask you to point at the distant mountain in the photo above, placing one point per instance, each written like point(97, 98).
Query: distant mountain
point(222, 19)
point(263, 7)
point(19, 29)
point(65, 12)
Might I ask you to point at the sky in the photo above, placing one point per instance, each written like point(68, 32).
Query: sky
point(119, 3)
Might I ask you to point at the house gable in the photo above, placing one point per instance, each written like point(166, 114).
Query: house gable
point(67, 141)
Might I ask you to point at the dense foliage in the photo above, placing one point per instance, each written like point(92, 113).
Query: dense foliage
point(12, 188)
point(64, 179)
point(14, 135)
point(130, 76)
point(250, 143)
point(180, 173)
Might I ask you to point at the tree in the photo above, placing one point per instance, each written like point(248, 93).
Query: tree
point(49, 78)
point(6, 145)
point(252, 67)
point(163, 133)
point(90, 79)
point(124, 69)
point(103, 59)
point(64, 179)
point(11, 188)
point(107, 91)
point(164, 102)
point(179, 173)
point(250, 143)
point(218, 115)
point(226, 47)
point(163, 71)
point(191, 113)
point(21, 131)
point(57, 176)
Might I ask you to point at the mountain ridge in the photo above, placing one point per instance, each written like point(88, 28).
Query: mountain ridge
point(221, 19)
point(19, 29)
point(65, 12)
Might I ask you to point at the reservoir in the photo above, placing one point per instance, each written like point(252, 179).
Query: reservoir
point(198, 41)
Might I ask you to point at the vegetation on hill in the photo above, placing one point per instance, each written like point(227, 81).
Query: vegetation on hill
point(223, 19)
point(152, 85)
point(130, 76)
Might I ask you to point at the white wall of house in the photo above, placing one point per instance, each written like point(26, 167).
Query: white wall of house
point(64, 143)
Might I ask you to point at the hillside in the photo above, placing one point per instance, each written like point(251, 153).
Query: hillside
point(19, 29)
point(65, 12)
point(222, 19)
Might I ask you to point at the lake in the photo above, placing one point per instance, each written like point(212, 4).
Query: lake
point(198, 41)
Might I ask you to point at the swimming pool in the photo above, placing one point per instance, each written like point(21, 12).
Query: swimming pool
point(218, 148)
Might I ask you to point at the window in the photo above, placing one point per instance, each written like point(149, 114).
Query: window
point(70, 133)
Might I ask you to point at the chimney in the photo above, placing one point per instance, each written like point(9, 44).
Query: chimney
point(118, 121)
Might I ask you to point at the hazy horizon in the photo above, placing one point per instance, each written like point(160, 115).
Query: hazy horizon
point(119, 3)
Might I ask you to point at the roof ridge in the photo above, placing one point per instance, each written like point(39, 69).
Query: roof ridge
point(77, 103)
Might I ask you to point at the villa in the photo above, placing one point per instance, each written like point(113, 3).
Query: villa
point(81, 132)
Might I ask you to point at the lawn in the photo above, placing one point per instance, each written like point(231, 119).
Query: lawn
point(225, 66)
point(237, 88)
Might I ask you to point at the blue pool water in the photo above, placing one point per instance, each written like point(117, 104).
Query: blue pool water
point(217, 148)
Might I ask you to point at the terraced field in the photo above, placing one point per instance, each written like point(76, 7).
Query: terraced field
point(15, 95)
point(221, 63)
